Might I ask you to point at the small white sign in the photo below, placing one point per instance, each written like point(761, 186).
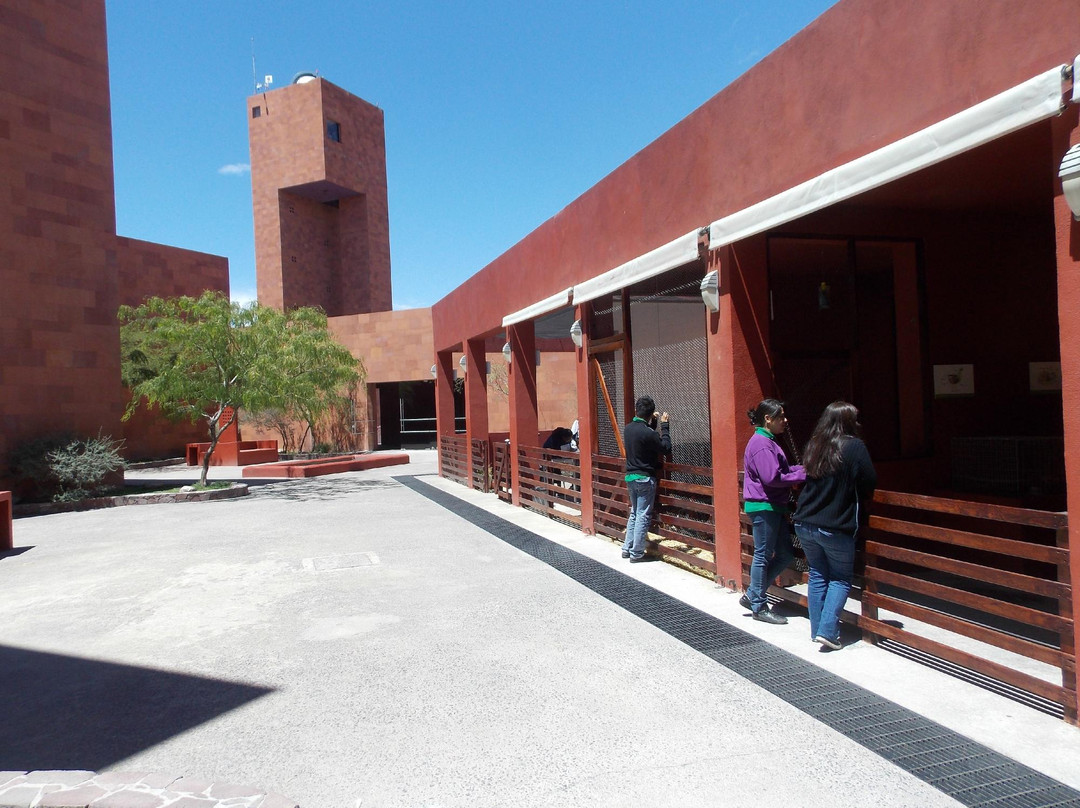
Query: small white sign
point(954, 380)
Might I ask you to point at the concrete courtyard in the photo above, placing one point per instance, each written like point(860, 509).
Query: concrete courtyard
point(351, 641)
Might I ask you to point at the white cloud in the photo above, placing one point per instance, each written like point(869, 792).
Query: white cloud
point(235, 168)
point(242, 296)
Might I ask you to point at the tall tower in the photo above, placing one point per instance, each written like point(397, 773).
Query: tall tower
point(318, 184)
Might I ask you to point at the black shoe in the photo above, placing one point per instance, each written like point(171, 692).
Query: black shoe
point(625, 554)
point(767, 615)
point(638, 559)
point(745, 603)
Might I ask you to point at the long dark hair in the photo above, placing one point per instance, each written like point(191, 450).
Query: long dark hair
point(770, 407)
point(822, 455)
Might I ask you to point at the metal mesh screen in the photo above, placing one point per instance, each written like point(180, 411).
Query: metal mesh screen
point(611, 367)
point(671, 359)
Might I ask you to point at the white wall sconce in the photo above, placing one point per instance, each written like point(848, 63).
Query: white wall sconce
point(710, 291)
point(463, 363)
point(508, 353)
point(434, 372)
point(576, 333)
point(1070, 179)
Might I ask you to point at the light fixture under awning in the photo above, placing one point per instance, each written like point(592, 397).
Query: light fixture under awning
point(546, 305)
point(675, 253)
point(1017, 107)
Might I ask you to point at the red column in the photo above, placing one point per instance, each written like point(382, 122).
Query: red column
point(444, 398)
point(7, 540)
point(476, 398)
point(1067, 231)
point(585, 411)
point(523, 416)
point(722, 424)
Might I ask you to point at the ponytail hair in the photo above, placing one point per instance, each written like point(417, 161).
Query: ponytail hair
point(769, 406)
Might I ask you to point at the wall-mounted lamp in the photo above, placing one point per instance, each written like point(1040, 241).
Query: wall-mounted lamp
point(710, 290)
point(434, 372)
point(576, 333)
point(508, 354)
point(1070, 179)
point(463, 364)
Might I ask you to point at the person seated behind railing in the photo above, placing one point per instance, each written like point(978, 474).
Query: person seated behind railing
point(560, 438)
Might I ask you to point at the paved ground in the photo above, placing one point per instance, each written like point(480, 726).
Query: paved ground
point(347, 641)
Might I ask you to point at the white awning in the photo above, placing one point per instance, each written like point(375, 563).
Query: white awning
point(1020, 106)
point(546, 305)
point(675, 253)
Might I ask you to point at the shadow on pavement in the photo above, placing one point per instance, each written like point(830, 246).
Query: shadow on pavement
point(62, 712)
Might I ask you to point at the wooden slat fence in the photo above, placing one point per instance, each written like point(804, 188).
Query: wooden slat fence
point(501, 466)
point(481, 465)
point(453, 453)
point(550, 482)
point(995, 574)
point(683, 515)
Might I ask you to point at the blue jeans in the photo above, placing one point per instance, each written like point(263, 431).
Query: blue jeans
point(831, 557)
point(772, 554)
point(642, 494)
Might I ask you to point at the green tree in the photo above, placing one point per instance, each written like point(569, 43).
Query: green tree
point(207, 358)
point(317, 373)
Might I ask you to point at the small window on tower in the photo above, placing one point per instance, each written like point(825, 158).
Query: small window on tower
point(333, 131)
point(256, 112)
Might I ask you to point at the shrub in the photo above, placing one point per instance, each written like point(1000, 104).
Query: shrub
point(81, 468)
point(29, 462)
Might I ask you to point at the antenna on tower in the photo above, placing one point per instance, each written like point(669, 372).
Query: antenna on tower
point(267, 79)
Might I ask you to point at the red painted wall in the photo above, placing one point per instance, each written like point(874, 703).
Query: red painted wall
point(859, 77)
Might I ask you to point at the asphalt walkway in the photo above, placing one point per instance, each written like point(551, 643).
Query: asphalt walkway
point(389, 638)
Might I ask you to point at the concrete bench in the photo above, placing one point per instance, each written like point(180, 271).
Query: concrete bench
point(317, 467)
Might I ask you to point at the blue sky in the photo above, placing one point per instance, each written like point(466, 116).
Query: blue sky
point(497, 114)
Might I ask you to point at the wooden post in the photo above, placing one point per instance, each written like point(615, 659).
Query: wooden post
point(523, 413)
point(722, 421)
point(1067, 234)
point(586, 410)
point(476, 403)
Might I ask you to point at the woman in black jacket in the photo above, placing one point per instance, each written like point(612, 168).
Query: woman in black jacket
point(840, 481)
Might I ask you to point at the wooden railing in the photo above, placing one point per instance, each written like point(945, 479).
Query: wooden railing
point(453, 453)
point(550, 483)
point(501, 466)
point(683, 515)
point(994, 574)
point(481, 465)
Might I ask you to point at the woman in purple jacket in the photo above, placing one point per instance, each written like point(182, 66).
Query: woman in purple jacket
point(768, 478)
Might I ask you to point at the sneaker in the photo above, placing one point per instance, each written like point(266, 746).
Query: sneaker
point(833, 644)
point(639, 559)
point(625, 553)
point(745, 603)
point(767, 615)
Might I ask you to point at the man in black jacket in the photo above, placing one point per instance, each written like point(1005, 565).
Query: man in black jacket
point(644, 451)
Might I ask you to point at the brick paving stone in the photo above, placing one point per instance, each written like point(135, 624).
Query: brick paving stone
point(191, 785)
point(127, 798)
point(127, 778)
point(273, 800)
point(78, 797)
point(225, 791)
point(159, 780)
point(20, 796)
point(194, 802)
point(60, 778)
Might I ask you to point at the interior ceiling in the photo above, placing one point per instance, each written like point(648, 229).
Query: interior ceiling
point(1015, 171)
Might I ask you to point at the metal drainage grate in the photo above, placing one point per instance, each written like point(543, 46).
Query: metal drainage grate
point(965, 770)
point(345, 561)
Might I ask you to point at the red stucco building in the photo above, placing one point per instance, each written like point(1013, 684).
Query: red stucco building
point(63, 269)
point(881, 205)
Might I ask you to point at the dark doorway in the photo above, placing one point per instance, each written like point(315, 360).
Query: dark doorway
point(846, 324)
